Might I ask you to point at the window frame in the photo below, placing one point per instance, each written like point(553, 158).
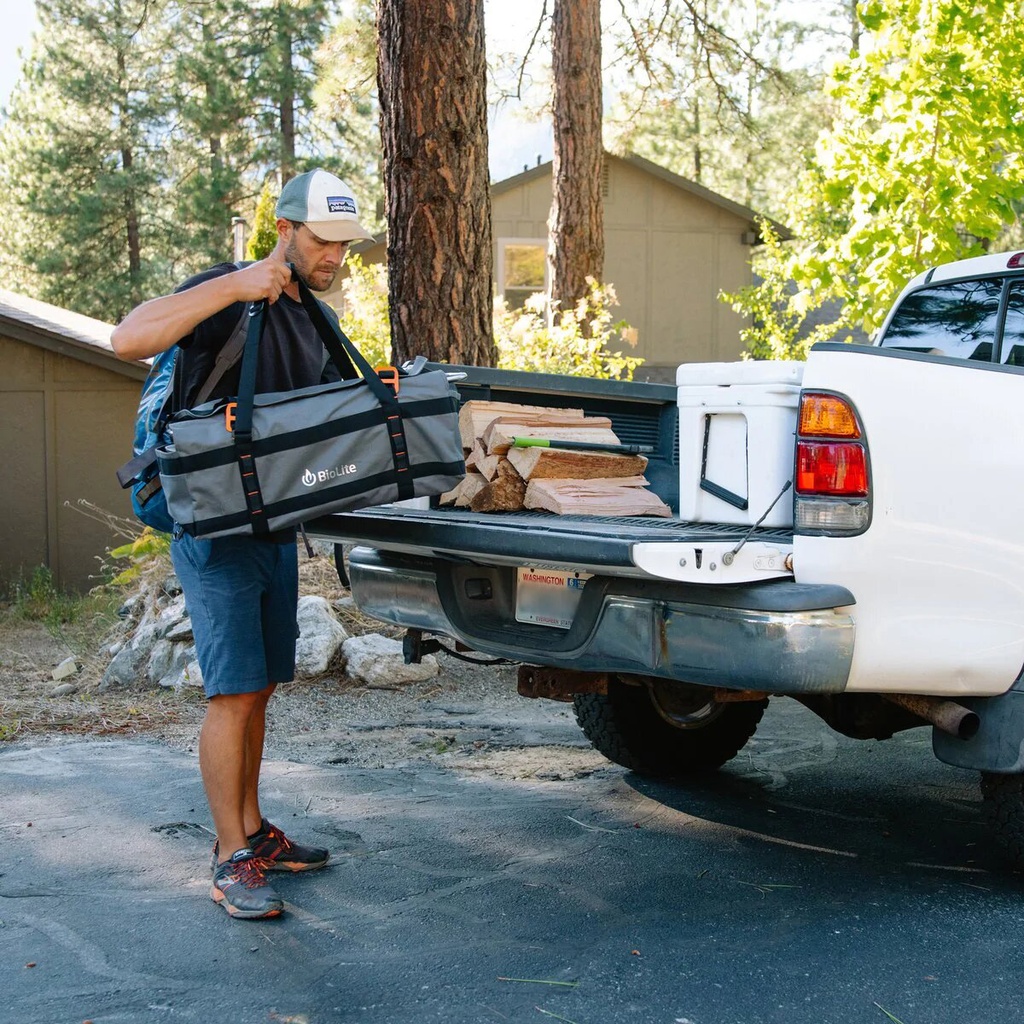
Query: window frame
point(500, 263)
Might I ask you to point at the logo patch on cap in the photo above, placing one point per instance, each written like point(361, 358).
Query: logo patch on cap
point(340, 204)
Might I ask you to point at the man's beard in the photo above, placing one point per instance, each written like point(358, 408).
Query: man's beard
point(304, 274)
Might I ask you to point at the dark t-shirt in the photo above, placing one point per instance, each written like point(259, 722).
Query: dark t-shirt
point(291, 354)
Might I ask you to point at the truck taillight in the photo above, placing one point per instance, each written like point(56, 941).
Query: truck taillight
point(833, 480)
point(836, 469)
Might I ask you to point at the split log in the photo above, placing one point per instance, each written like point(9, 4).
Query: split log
point(595, 429)
point(625, 496)
point(561, 464)
point(470, 486)
point(476, 415)
point(486, 465)
point(505, 493)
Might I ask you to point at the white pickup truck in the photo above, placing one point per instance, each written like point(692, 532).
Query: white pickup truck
point(845, 533)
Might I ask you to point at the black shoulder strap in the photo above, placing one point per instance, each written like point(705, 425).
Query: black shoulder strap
point(229, 354)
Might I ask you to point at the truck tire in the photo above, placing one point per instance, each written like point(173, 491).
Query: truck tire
point(665, 732)
point(1003, 797)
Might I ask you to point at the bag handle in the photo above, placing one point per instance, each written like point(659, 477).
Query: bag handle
point(344, 353)
point(340, 348)
point(338, 344)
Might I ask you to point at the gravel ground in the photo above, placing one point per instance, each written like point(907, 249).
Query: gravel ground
point(469, 717)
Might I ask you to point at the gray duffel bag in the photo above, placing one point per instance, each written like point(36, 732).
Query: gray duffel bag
point(266, 462)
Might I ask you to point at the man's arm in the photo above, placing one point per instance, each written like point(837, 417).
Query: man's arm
point(157, 324)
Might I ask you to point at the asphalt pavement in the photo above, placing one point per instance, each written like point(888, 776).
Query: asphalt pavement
point(816, 880)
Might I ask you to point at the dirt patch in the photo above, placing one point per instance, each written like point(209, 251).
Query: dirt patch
point(468, 718)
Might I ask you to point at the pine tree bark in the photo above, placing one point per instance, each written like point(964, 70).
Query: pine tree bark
point(576, 224)
point(431, 77)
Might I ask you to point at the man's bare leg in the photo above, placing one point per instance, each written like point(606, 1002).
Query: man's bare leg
point(252, 816)
point(225, 763)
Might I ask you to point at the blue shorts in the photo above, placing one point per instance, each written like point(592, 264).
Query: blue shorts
point(241, 595)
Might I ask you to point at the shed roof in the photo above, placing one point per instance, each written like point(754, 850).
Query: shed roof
point(63, 331)
point(675, 180)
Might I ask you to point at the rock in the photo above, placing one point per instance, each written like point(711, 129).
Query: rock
point(167, 662)
point(378, 661)
point(320, 636)
point(131, 607)
point(347, 603)
point(323, 548)
point(68, 667)
point(64, 690)
point(182, 631)
point(171, 587)
point(192, 674)
point(172, 616)
point(122, 669)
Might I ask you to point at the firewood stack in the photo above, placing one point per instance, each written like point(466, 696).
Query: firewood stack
point(501, 478)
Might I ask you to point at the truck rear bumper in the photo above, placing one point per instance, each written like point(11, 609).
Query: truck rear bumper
point(778, 636)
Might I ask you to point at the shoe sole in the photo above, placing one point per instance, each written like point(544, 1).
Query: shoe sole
point(295, 865)
point(220, 899)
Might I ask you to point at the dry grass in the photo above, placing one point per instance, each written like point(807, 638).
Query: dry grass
point(30, 649)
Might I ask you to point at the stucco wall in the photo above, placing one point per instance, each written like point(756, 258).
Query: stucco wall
point(65, 427)
point(668, 253)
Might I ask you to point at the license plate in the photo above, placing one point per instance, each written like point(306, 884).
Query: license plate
point(547, 596)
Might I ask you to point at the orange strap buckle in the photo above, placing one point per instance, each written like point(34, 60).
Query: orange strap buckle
point(389, 375)
point(229, 416)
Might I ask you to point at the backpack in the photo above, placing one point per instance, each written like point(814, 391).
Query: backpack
point(156, 405)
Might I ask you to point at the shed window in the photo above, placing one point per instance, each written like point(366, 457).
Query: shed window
point(522, 269)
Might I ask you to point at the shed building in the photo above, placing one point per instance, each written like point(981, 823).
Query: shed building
point(67, 410)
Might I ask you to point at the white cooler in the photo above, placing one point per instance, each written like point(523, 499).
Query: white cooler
point(737, 428)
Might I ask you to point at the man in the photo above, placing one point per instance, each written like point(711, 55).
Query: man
point(241, 592)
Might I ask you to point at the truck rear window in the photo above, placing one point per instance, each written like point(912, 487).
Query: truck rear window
point(957, 319)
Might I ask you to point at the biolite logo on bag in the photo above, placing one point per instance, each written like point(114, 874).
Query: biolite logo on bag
point(311, 478)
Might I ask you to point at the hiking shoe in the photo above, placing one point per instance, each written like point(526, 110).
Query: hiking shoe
point(278, 852)
point(240, 886)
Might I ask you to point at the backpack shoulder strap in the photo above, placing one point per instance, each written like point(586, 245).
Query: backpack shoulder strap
point(229, 354)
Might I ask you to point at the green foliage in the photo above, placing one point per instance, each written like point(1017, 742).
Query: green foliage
point(576, 341)
point(365, 315)
point(923, 161)
point(714, 96)
point(346, 92)
point(138, 130)
point(777, 311)
point(79, 159)
point(264, 228)
point(38, 599)
point(140, 552)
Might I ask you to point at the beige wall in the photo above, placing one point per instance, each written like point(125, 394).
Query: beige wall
point(65, 427)
point(668, 253)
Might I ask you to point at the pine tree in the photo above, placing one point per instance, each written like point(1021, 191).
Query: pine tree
point(78, 166)
point(264, 228)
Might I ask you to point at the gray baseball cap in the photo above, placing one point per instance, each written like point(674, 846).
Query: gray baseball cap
point(325, 204)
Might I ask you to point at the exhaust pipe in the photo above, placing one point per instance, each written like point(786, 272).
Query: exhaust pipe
point(946, 715)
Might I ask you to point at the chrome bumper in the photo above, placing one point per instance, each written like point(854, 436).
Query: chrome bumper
point(803, 650)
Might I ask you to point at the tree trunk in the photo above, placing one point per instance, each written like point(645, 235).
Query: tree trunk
point(576, 224)
point(285, 44)
point(131, 214)
point(431, 76)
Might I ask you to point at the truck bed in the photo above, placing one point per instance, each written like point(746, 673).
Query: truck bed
point(518, 538)
point(641, 413)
